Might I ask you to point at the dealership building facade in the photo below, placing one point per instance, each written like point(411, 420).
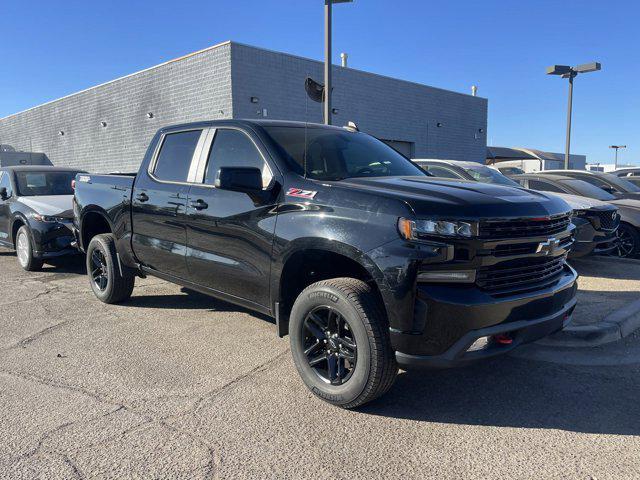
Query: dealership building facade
point(107, 127)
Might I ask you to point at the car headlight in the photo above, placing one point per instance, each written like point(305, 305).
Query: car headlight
point(417, 229)
point(578, 212)
point(48, 218)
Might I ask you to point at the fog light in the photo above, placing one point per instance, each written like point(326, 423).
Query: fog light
point(453, 276)
point(479, 344)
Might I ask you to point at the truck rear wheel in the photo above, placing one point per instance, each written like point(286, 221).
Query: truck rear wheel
point(108, 283)
point(340, 342)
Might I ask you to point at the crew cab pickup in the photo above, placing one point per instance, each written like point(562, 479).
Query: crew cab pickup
point(366, 261)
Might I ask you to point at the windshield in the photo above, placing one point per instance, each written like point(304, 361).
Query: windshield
point(334, 154)
point(483, 174)
point(587, 190)
point(511, 170)
point(32, 183)
point(620, 183)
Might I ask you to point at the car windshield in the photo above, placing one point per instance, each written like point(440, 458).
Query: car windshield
point(33, 183)
point(483, 174)
point(620, 183)
point(336, 154)
point(587, 190)
point(511, 170)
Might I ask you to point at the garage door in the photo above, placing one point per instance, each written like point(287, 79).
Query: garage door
point(405, 148)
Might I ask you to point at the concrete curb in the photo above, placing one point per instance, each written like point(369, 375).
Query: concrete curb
point(615, 326)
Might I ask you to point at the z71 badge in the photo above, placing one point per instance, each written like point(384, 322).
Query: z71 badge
point(298, 192)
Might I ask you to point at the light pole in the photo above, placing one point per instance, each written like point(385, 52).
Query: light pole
point(327, 57)
point(615, 165)
point(566, 71)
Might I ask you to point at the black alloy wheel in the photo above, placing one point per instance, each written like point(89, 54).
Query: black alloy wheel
point(628, 241)
point(340, 342)
point(99, 270)
point(329, 345)
point(110, 281)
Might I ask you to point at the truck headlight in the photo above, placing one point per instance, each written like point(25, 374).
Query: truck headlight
point(416, 229)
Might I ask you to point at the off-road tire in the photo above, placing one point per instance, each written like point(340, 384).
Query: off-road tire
point(375, 368)
point(118, 285)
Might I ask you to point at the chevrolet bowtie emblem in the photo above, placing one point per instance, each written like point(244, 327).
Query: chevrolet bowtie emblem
point(548, 247)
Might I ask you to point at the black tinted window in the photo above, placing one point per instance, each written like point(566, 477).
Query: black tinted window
point(232, 148)
point(33, 183)
point(587, 190)
point(593, 181)
point(175, 156)
point(5, 182)
point(544, 186)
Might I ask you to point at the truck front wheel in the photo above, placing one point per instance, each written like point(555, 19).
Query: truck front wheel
point(340, 342)
point(108, 283)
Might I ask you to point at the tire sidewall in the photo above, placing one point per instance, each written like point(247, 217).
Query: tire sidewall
point(97, 243)
point(335, 299)
point(633, 233)
point(26, 232)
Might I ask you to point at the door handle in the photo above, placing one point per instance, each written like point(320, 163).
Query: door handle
point(199, 204)
point(142, 197)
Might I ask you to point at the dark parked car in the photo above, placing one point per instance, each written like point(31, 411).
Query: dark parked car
point(616, 186)
point(36, 213)
point(629, 174)
point(364, 260)
point(592, 235)
point(629, 209)
point(461, 170)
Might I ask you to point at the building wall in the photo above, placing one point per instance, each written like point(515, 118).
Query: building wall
point(218, 82)
point(388, 108)
point(196, 87)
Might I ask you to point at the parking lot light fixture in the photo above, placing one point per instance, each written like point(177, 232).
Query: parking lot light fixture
point(566, 71)
point(327, 57)
point(616, 147)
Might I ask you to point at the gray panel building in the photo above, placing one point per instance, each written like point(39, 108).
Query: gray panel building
point(107, 127)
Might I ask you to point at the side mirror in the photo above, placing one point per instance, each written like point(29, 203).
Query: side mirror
point(239, 179)
point(608, 189)
point(3, 193)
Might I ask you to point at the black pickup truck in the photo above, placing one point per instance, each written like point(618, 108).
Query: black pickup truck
point(366, 261)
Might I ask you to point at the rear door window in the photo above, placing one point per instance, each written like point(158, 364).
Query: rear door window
point(176, 153)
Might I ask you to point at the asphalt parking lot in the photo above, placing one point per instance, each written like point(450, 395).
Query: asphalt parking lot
point(173, 384)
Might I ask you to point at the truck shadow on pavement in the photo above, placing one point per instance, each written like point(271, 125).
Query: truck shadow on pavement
point(190, 299)
point(518, 393)
point(69, 264)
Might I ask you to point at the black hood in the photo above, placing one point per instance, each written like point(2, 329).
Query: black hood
point(458, 199)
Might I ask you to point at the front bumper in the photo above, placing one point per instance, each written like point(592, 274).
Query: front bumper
point(52, 240)
point(590, 241)
point(454, 318)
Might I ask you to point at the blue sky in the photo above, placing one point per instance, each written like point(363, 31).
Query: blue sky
point(50, 49)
